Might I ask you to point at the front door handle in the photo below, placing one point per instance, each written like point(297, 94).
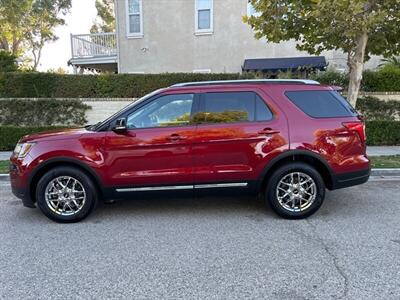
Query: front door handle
point(268, 131)
point(176, 137)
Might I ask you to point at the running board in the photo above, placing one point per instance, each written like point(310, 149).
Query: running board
point(183, 187)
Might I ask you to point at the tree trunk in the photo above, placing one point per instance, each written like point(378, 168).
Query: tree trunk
point(356, 67)
point(36, 57)
point(4, 44)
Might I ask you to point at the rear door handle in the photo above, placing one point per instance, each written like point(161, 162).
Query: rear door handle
point(268, 131)
point(176, 137)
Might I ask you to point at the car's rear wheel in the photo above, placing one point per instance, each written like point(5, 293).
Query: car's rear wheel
point(66, 194)
point(295, 190)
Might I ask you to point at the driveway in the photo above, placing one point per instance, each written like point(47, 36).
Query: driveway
point(221, 248)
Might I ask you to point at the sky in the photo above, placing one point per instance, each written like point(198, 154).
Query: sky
point(79, 21)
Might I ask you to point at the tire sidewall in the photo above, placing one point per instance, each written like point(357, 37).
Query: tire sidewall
point(283, 171)
point(90, 191)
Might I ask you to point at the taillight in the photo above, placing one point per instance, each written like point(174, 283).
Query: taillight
point(358, 127)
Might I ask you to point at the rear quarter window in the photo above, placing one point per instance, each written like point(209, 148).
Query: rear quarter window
point(321, 104)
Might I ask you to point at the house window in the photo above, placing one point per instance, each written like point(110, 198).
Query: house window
point(204, 16)
point(134, 18)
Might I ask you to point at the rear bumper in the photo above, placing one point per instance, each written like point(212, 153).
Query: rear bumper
point(351, 178)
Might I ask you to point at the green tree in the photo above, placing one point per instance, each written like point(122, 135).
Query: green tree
point(8, 62)
point(359, 28)
point(105, 21)
point(26, 25)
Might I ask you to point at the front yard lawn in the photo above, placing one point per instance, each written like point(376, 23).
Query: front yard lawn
point(4, 165)
point(392, 161)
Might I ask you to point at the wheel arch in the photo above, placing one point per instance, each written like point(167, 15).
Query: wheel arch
point(311, 158)
point(57, 162)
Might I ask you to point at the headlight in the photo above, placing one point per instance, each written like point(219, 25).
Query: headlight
point(21, 150)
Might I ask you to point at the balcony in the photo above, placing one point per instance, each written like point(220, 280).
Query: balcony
point(96, 51)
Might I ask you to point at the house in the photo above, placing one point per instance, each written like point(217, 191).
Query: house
point(205, 36)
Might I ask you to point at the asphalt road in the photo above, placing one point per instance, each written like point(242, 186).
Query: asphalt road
point(214, 248)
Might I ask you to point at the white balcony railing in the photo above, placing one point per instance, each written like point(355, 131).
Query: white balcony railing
point(93, 45)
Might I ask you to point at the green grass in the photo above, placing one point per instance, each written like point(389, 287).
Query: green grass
point(392, 161)
point(4, 166)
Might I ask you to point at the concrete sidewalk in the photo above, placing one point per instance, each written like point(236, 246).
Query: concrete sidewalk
point(383, 150)
point(371, 151)
point(5, 155)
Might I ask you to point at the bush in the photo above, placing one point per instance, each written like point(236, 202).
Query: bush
point(386, 79)
point(48, 85)
point(42, 112)
point(331, 77)
point(374, 109)
point(8, 62)
point(10, 135)
point(380, 133)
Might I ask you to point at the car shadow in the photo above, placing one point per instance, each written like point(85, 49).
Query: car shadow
point(336, 203)
point(207, 205)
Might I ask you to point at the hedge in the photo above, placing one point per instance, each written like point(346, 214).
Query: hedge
point(378, 133)
point(42, 112)
point(374, 109)
point(386, 79)
point(9, 135)
point(383, 133)
point(49, 85)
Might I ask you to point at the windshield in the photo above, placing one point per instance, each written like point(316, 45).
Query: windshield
point(129, 106)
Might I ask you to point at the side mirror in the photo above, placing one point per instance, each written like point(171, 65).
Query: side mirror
point(120, 126)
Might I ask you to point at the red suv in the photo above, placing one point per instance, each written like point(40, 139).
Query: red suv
point(287, 140)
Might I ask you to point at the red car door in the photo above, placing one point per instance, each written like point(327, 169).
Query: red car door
point(156, 150)
point(238, 133)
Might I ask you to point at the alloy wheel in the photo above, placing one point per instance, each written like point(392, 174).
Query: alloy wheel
point(65, 195)
point(296, 191)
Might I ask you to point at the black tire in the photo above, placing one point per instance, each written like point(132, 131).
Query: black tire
point(86, 183)
point(281, 172)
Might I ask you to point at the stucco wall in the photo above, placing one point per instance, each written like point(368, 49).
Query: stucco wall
point(170, 44)
point(103, 108)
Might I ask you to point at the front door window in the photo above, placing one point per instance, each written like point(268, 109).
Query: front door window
point(165, 111)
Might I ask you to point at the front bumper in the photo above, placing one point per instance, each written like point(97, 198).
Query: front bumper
point(350, 179)
point(18, 180)
point(24, 195)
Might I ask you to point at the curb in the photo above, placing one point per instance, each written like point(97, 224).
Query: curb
point(385, 172)
point(374, 173)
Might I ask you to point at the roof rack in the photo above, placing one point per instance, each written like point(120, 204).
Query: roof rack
point(244, 81)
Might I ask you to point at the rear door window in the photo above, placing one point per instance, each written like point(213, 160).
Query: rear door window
point(321, 104)
point(230, 107)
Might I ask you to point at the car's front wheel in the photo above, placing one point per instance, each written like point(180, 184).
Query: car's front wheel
point(66, 194)
point(295, 190)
